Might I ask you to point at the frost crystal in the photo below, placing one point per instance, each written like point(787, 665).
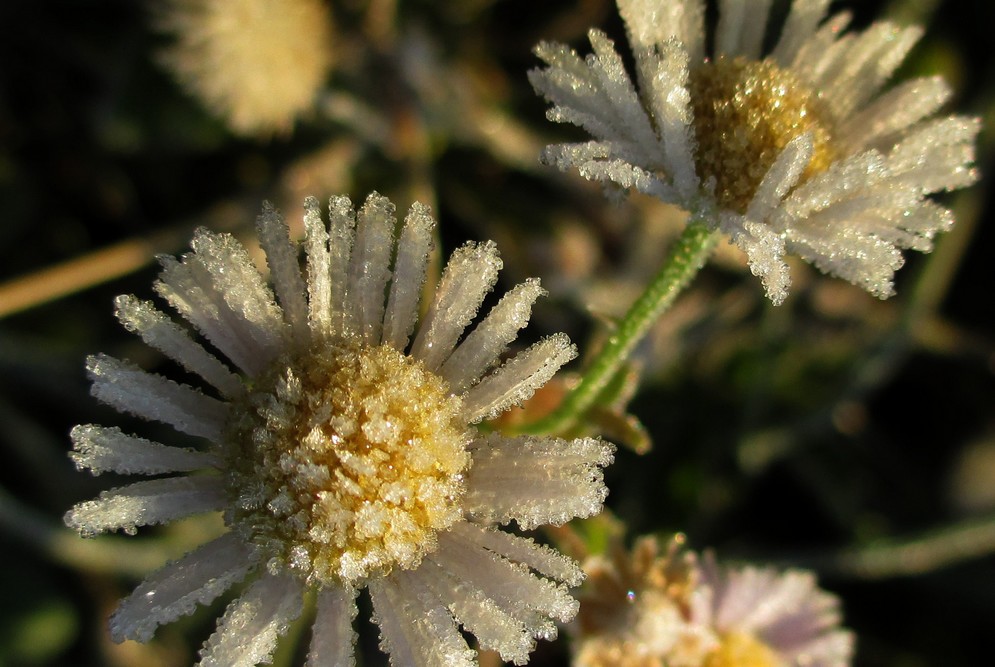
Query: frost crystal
point(799, 151)
point(339, 458)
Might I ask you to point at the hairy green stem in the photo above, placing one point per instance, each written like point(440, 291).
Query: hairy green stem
point(686, 258)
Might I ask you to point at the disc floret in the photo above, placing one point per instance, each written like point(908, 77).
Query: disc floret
point(346, 461)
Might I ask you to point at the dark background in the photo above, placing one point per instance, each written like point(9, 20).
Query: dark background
point(837, 432)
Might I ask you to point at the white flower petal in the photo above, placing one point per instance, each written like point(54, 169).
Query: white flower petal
point(524, 550)
point(741, 27)
point(147, 503)
point(341, 238)
point(188, 288)
point(494, 628)
point(333, 641)
point(894, 111)
point(285, 270)
point(413, 250)
point(518, 378)
point(415, 628)
point(130, 389)
point(482, 347)
point(161, 333)
point(470, 274)
point(177, 588)
point(235, 277)
point(104, 449)
point(248, 631)
point(535, 480)
point(799, 27)
point(369, 268)
point(319, 285)
point(653, 23)
point(514, 589)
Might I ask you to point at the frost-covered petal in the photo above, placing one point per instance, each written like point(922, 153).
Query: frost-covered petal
point(285, 270)
point(248, 631)
point(494, 628)
point(896, 110)
point(147, 503)
point(536, 480)
point(523, 550)
point(518, 592)
point(130, 389)
point(161, 333)
point(181, 585)
point(333, 641)
point(780, 178)
point(664, 75)
point(871, 59)
point(741, 27)
point(518, 378)
point(413, 249)
point(652, 23)
point(490, 338)
point(801, 23)
point(189, 289)
point(369, 268)
point(628, 111)
point(415, 629)
point(469, 275)
point(936, 155)
point(103, 449)
point(341, 238)
point(319, 288)
point(236, 278)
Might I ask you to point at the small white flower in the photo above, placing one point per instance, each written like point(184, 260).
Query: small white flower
point(257, 64)
point(761, 611)
point(646, 610)
point(341, 455)
point(800, 150)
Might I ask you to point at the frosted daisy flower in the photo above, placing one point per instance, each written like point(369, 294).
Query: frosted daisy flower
point(257, 64)
point(340, 455)
point(646, 610)
point(799, 150)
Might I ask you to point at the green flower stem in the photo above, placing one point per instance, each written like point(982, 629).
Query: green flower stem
point(687, 256)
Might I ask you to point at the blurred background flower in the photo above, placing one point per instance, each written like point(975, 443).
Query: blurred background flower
point(836, 433)
point(255, 64)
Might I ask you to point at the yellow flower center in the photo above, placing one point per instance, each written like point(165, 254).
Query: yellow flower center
point(745, 113)
point(346, 462)
point(739, 649)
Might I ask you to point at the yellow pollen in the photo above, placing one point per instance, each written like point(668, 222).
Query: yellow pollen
point(346, 462)
point(745, 113)
point(739, 649)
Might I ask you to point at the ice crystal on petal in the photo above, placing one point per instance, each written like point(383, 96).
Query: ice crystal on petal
point(339, 457)
point(742, 141)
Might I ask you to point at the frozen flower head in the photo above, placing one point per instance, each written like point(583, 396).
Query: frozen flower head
point(646, 610)
point(257, 64)
point(800, 150)
point(341, 454)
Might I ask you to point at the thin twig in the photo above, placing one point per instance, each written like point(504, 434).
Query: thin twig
point(910, 556)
